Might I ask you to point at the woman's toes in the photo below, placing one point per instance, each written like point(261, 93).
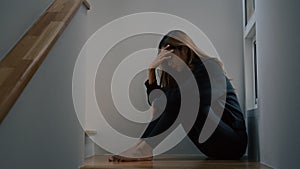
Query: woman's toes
point(113, 158)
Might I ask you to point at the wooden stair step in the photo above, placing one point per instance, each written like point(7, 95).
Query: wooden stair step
point(172, 162)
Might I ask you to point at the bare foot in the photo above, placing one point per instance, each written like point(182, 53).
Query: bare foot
point(140, 152)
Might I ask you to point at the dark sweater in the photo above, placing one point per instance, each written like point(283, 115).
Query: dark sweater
point(229, 139)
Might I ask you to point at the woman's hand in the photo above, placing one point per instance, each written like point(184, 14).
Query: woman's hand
point(162, 56)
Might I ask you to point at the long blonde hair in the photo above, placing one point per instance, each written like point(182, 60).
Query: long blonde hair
point(179, 39)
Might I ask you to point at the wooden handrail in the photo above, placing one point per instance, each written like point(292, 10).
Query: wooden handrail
point(86, 4)
point(21, 63)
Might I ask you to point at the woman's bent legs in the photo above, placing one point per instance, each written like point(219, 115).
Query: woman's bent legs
point(224, 143)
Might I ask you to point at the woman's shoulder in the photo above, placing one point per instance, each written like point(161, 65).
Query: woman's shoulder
point(211, 66)
point(213, 62)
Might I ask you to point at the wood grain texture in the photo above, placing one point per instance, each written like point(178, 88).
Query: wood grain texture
point(20, 64)
point(172, 162)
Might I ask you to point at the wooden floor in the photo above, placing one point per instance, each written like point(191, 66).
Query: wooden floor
point(172, 162)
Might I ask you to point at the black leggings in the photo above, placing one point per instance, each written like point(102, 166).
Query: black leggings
point(224, 143)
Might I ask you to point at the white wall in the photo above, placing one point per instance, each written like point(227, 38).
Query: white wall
point(16, 18)
point(278, 82)
point(220, 20)
point(42, 130)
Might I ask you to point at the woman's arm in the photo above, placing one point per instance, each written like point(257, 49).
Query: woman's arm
point(151, 76)
point(162, 56)
point(151, 83)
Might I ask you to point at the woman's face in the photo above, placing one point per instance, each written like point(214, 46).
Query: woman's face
point(177, 59)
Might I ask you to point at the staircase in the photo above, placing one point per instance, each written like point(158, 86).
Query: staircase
point(21, 63)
